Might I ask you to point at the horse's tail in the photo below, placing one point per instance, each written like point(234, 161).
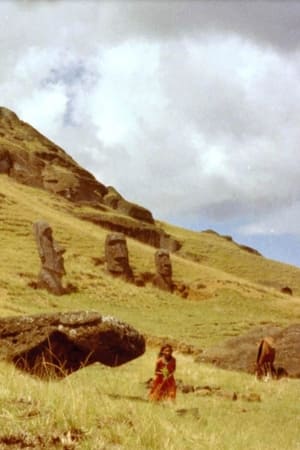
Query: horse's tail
point(259, 351)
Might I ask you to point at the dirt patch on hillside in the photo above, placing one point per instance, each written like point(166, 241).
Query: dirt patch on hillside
point(239, 353)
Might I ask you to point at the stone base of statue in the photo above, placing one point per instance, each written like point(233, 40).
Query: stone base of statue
point(164, 283)
point(51, 281)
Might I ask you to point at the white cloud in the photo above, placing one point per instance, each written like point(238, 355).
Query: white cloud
point(45, 108)
point(127, 93)
point(189, 108)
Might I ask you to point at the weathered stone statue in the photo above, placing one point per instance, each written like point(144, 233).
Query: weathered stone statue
point(163, 277)
point(116, 255)
point(51, 255)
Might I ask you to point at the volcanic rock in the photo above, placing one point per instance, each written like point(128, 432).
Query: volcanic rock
point(143, 232)
point(286, 290)
point(32, 159)
point(58, 344)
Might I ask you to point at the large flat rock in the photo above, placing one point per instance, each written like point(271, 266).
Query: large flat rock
point(61, 343)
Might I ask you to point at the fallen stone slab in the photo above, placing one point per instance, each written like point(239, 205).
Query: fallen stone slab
point(58, 344)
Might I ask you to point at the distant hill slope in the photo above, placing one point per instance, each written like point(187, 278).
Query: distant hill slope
point(30, 158)
point(221, 252)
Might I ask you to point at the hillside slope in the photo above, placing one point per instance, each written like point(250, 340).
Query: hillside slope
point(31, 159)
point(220, 304)
point(221, 252)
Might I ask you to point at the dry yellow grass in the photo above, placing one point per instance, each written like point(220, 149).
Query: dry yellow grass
point(217, 296)
point(103, 408)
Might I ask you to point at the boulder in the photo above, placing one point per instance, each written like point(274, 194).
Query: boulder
point(58, 344)
point(286, 290)
point(114, 200)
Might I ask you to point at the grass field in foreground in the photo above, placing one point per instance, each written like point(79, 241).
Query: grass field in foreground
point(103, 408)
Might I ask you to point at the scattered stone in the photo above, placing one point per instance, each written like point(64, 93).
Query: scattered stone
point(184, 388)
point(204, 392)
point(190, 411)
point(181, 289)
point(229, 395)
point(251, 397)
point(286, 290)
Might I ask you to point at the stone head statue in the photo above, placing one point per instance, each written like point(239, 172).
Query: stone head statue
point(163, 263)
point(52, 260)
point(163, 277)
point(116, 255)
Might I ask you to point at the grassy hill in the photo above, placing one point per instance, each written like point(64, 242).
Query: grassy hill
point(231, 291)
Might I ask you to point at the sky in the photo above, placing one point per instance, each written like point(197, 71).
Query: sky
point(189, 108)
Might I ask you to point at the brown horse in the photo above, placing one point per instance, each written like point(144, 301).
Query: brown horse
point(265, 358)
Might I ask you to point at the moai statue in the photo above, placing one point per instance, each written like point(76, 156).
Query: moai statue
point(163, 277)
point(116, 255)
point(51, 255)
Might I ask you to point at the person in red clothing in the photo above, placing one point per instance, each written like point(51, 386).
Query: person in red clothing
point(164, 384)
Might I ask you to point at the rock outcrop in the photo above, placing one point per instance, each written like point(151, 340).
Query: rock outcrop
point(114, 200)
point(58, 344)
point(141, 231)
point(32, 159)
